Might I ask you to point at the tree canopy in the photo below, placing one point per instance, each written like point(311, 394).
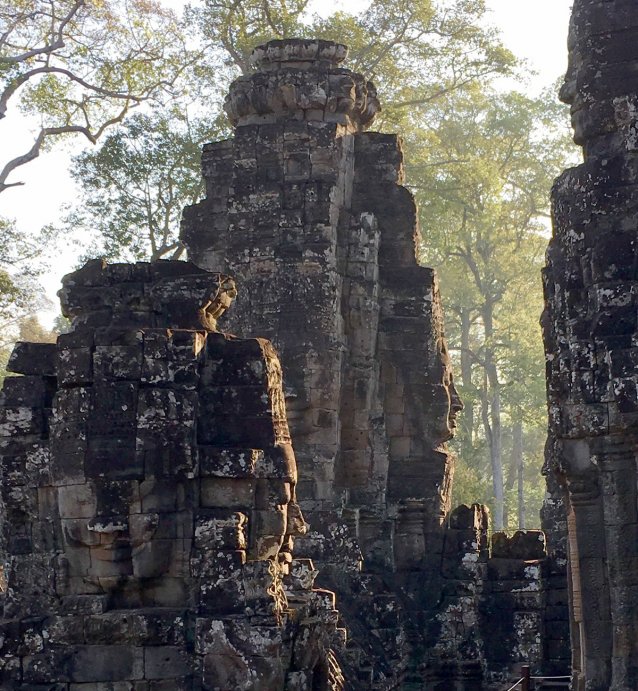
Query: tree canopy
point(482, 174)
point(21, 264)
point(79, 66)
point(135, 185)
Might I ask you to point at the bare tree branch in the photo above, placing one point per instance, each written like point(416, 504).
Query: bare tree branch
point(45, 132)
point(56, 43)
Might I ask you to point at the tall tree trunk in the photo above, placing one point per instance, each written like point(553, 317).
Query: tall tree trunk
point(493, 394)
point(517, 454)
point(496, 451)
point(467, 418)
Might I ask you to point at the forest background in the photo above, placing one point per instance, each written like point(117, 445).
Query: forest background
point(135, 87)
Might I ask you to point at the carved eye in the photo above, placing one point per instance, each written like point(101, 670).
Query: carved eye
point(78, 533)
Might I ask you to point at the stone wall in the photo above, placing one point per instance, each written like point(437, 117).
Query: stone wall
point(590, 330)
point(149, 498)
point(491, 618)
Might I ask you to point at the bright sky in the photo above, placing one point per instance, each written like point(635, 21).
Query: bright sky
point(535, 30)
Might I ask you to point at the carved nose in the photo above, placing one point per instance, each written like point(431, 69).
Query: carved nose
point(297, 526)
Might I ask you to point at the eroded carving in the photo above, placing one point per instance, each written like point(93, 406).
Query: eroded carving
point(156, 511)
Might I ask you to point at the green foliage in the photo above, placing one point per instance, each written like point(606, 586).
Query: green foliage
point(231, 29)
point(135, 185)
point(81, 65)
point(21, 263)
point(418, 52)
point(482, 170)
point(30, 329)
point(19, 268)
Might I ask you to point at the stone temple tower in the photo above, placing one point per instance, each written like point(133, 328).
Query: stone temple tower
point(307, 212)
point(591, 333)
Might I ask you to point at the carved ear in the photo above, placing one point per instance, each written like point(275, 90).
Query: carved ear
point(296, 524)
point(218, 303)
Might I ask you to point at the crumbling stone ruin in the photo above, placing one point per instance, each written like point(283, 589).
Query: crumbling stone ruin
point(149, 500)
point(590, 338)
point(307, 211)
point(155, 531)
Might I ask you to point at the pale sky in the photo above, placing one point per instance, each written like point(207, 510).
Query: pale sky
point(535, 30)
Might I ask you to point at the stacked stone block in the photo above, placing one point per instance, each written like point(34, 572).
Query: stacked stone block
point(308, 212)
point(514, 603)
point(149, 495)
point(490, 619)
point(456, 658)
point(590, 339)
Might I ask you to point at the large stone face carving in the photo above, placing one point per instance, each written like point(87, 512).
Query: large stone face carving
point(149, 490)
point(590, 338)
point(308, 212)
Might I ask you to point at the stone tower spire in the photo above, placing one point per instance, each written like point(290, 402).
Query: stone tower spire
point(306, 210)
point(302, 80)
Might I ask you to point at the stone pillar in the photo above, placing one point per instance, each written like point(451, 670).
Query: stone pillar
point(590, 326)
point(514, 604)
point(557, 620)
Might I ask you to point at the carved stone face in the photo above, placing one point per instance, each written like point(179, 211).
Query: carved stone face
point(456, 404)
point(445, 404)
point(115, 535)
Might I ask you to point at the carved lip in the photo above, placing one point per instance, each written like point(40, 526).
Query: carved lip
point(117, 551)
point(120, 550)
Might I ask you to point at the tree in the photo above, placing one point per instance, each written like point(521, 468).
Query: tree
point(483, 171)
point(417, 53)
point(229, 30)
point(21, 263)
point(79, 66)
point(135, 185)
point(414, 50)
